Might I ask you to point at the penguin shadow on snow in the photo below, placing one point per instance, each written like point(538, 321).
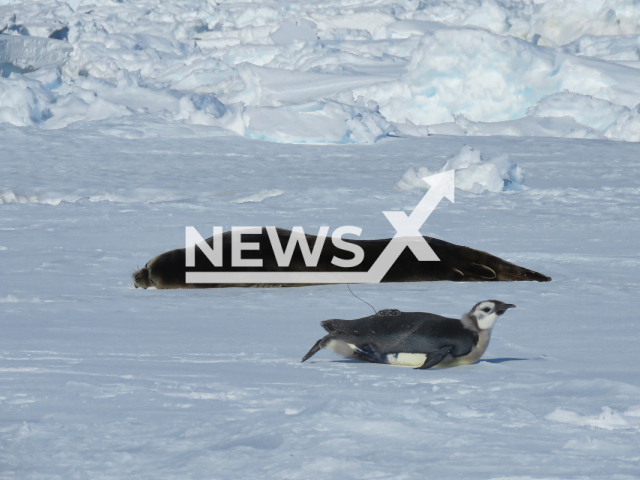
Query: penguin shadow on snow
point(501, 360)
point(487, 360)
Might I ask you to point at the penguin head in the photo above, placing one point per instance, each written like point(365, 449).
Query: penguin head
point(486, 313)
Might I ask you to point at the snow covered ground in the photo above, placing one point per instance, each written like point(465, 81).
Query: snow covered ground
point(100, 380)
point(123, 122)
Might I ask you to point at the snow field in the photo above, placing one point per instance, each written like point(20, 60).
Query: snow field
point(100, 380)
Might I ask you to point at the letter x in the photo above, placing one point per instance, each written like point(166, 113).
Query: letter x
point(408, 227)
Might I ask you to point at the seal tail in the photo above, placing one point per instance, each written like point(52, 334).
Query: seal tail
point(315, 349)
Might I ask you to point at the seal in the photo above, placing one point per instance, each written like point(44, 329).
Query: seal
point(457, 263)
point(413, 339)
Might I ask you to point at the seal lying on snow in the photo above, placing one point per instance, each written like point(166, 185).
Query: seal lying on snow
point(457, 263)
point(417, 339)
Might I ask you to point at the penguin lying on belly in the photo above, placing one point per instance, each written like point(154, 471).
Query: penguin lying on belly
point(414, 339)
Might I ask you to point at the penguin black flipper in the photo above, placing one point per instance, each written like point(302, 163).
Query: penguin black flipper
point(368, 353)
point(434, 358)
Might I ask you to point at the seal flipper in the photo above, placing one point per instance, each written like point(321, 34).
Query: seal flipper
point(434, 358)
point(315, 349)
point(482, 271)
point(468, 264)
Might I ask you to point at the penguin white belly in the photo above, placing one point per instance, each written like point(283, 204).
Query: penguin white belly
point(407, 359)
point(341, 347)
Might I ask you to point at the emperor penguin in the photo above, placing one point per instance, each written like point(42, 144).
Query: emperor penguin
point(415, 339)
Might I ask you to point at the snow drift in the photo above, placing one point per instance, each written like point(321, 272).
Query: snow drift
point(296, 73)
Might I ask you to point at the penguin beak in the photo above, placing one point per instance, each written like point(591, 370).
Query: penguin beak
point(504, 307)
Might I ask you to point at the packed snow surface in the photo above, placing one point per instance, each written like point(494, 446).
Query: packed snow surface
point(100, 380)
point(333, 71)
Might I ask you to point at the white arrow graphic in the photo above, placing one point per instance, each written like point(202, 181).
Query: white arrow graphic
point(407, 236)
